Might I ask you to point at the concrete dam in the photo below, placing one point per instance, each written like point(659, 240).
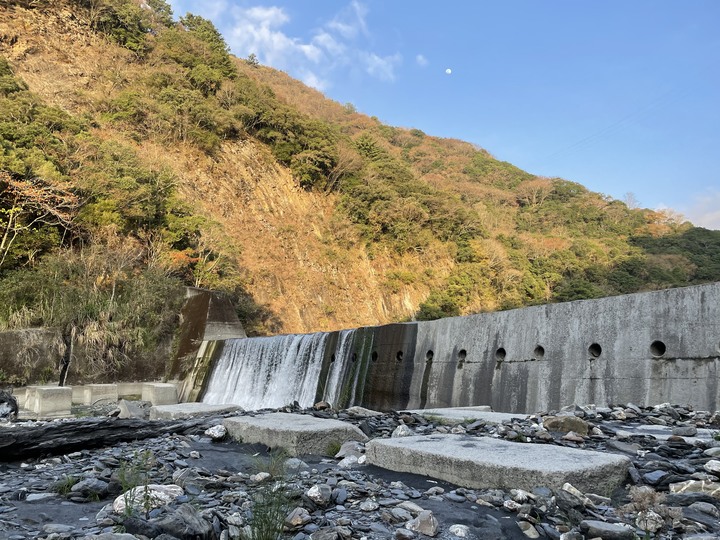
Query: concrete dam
point(644, 348)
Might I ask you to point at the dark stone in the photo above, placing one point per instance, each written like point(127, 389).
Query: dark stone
point(8, 405)
point(80, 434)
point(489, 528)
point(185, 523)
point(607, 531)
point(629, 449)
point(686, 499)
point(135, 525)
point(654, 477)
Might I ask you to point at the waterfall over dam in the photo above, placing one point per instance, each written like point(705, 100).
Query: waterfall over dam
point(644, 348)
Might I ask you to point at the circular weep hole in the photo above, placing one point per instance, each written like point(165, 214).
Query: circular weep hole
point(595, 350)
point(539, 352)
point(399, 356)
point(429, 356)
point(374, 356)
point(500, 354)
point(657, 348)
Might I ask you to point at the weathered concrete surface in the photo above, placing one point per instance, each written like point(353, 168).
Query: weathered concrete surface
point(48, 401)
point(479, 463)
point(160, 393)
point(188, 410)
point(206, 318)
point(645, 348)
point(459, 414)
point(298, 434)
point(99, 393)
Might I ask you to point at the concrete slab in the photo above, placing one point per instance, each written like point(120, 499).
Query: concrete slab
point(99, 393)
point(189, 410)
point(479, 462)
point(160, 393)
point(459, 414)
point(130, 390)
point(48, 401)
point(298, 434)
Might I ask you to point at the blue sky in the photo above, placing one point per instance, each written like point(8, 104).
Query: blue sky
point(622, 96)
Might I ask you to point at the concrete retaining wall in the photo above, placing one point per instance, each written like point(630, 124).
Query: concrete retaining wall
point(644, 348)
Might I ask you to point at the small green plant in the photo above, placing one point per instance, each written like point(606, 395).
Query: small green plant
point(64, 485)
point(274, 464)
point(270, 508)
point(134, 473)
point(333, 448)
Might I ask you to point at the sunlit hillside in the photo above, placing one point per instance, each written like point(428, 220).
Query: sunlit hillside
point(138, 157)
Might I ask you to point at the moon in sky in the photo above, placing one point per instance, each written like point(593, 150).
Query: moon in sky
point(448, 71)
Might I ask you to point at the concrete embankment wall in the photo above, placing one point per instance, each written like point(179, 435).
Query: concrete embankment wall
point(645, 348)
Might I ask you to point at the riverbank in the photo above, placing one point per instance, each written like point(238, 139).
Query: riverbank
point(671, 490)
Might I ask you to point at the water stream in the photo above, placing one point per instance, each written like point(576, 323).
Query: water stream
point(276, 371)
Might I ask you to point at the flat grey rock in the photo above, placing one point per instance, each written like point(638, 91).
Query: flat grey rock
point(662, 433)
point(478, 462)
point(298, 434)
point(189, 410)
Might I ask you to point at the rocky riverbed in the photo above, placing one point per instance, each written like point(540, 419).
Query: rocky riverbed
point(194, 487)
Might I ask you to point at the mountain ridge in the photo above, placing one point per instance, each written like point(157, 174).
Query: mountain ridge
point(217, 172)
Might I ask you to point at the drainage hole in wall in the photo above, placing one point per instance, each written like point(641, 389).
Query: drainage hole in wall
point(500, 354)
point(353, 358)
point(595, 350)
point(399, 356)
point(429, 356)
point(374, 356)
point(539, 352)
point(332, 358)
point(657, 348)
point(462, 355)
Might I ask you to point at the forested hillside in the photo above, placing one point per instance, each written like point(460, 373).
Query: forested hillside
point(137, 156)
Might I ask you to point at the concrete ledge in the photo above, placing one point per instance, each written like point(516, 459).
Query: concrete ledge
point(100, 393)
point(189, 410)
point(160, 393)
point(129, 389)
point(49, 401)
point(459, 414)
point(298, 434)
point(478, 462)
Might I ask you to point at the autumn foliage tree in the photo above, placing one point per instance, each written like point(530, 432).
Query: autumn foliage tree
point(32, 214)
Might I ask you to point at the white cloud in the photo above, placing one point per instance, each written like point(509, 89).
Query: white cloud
point(312, 80)
point(421, 61)
point(258, 30)
point(266, 16)
point(339, 47)
point(350, 22)
point(705, 210)
point(381, 67)
point(326, 41)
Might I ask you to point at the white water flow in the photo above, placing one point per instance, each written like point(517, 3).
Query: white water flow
point(268, 372)
point(338, 368)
